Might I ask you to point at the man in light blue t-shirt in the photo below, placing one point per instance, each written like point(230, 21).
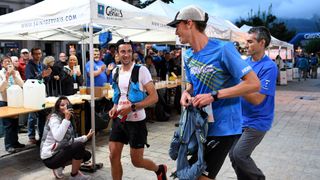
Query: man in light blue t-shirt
point(214, 69)
point(99, 73)
point(257, 108)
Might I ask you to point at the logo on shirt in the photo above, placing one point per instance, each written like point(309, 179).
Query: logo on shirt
point(246, 69)
point(266, 84)
point(208, 74)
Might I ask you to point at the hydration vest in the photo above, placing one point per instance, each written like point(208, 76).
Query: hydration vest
point(134, 94)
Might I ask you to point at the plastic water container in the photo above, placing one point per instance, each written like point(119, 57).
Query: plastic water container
point(15, 96)
point(283, 78)
point(34, 94)
point(295, 73)
point(289, 74)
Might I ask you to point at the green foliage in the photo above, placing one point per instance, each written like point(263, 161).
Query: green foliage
point(313, 46)
point(265, 18)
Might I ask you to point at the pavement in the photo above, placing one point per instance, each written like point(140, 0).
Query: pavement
point(289, 151)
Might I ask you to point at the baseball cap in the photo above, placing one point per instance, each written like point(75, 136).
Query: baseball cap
point(191, 12)
point(24, 51)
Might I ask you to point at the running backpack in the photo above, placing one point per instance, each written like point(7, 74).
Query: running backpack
point(189, 139)
point(134, 93)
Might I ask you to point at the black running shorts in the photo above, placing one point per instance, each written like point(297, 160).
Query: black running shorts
point(133, 132)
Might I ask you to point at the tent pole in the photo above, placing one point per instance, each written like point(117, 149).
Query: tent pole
point(92, 85)
point(94, 166)
point(92, 94)
point(84, 59)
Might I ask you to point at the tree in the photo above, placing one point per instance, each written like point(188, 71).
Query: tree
point(313, 46)
point(265, 18)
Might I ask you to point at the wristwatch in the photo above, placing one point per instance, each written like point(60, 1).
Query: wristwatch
point(214, 95)
point(133, 107)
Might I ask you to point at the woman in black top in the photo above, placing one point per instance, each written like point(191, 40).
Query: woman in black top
point(73, 78)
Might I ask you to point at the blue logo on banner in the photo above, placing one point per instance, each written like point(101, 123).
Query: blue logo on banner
point(101, 9)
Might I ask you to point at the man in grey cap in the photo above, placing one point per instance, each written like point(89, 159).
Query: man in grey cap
point(216, 77)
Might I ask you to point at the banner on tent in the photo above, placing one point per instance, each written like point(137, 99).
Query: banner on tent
point(49, 21)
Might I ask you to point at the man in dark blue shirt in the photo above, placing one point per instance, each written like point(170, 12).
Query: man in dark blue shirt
point(36, 70)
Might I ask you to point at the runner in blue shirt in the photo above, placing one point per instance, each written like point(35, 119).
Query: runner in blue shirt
point(257, 108)
point(214, 69)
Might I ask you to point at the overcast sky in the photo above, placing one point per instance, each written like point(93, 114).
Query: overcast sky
point(233, 9)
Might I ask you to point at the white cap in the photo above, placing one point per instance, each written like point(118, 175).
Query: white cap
point(24, 51)
point(191, 12)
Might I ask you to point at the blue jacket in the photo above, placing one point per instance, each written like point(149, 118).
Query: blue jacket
point(303, 63)
point(188, 139)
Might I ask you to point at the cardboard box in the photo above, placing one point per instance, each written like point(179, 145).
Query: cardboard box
point(98, 91)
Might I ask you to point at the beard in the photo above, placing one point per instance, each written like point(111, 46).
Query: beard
point(126, 62)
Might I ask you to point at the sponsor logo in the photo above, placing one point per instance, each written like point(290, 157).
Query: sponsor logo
point(312, 36)
point(101, 9)
point(109, 12)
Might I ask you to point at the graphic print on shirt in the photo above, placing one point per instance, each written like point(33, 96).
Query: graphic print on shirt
point(207, 74)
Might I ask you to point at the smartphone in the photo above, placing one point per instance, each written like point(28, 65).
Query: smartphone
point(70, 107)
point(10, 67)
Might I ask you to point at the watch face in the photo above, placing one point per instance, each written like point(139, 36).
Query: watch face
point(133, 107)
point(213, 93)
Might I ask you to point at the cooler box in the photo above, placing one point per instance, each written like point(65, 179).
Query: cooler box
point(98, 91)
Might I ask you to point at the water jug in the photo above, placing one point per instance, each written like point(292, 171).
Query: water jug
point(34, 94)
point(15, 96)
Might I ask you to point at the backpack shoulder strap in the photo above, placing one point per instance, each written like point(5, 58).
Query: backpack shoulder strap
point(116, 76)
point(135, 73)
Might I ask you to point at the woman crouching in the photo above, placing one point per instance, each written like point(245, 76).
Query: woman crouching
point(59, 145)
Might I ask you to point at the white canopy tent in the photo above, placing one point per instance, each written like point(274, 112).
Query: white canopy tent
point(65, 19)
point(162, 14)
point(216, 27)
